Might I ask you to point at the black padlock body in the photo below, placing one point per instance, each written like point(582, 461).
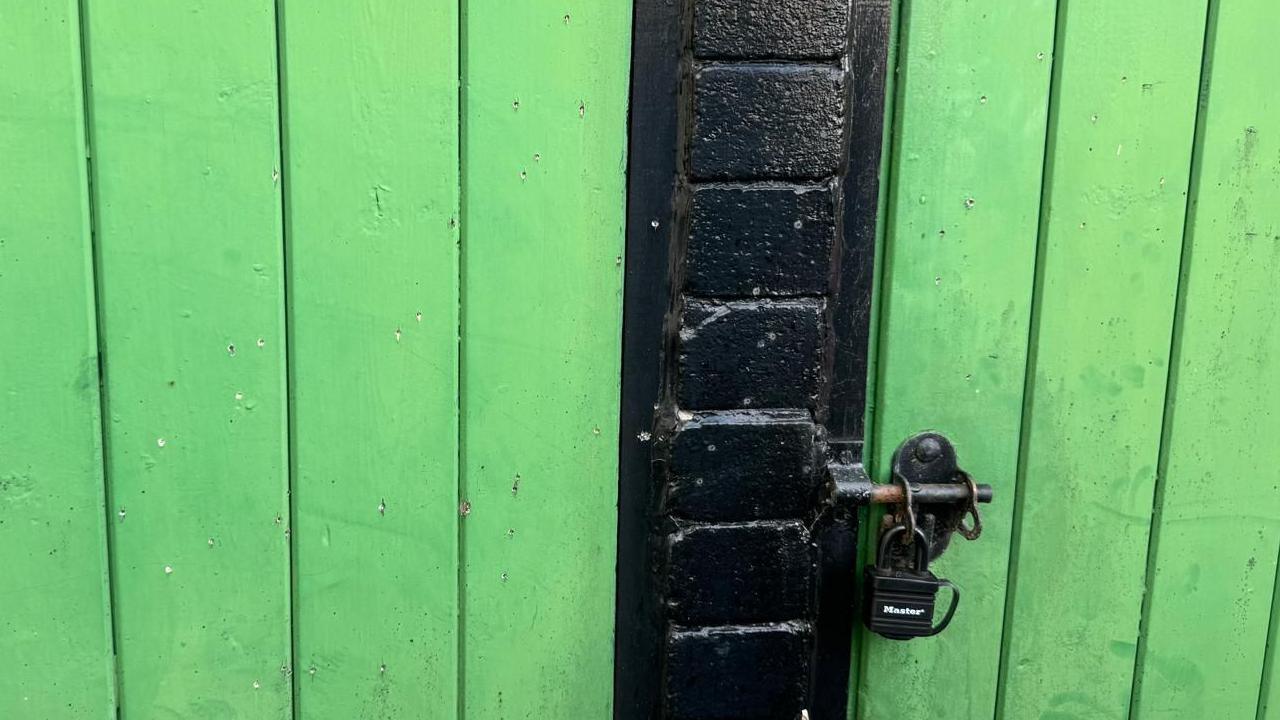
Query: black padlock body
point(898, 604)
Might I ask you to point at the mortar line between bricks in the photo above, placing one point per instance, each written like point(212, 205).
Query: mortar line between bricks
point(710, 62)
point(803, 184)
point(756, 299)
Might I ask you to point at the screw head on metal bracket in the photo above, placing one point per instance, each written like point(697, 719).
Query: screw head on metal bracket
point(927, 457)
point(927, 449)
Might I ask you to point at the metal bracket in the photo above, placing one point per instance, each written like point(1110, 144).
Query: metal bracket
point(929, 491)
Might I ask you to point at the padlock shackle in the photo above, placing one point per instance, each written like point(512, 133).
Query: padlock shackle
point(951, 611)
point(921, 543)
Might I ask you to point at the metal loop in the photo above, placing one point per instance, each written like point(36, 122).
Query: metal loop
point(973, 531)
point(951, 611)
point(891, 534)
point(908, 509)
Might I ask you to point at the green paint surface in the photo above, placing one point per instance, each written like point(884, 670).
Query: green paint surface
point(1214, 556)
point(55, 624)
point(1149, 355)
point(186, 164)
point(268, 196)
point(1111, 238)
point(408, 308)
point(543, 198)
point(972, 97)
point(371, 136)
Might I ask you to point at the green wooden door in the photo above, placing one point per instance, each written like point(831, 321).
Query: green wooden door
point(309, 330)
point(1080, 247)
point(309, 355)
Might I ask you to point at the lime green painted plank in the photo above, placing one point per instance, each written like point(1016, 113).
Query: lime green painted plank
point(1268, 695)
point(1269, 692)
point(55, 622)
point(544, 142)
point(1214, 556)
point(972, 97)
point(188, 212)
point(371, 137)
point(1111, 238)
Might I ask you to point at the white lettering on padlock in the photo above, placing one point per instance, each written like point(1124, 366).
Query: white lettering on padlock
point(891, 610)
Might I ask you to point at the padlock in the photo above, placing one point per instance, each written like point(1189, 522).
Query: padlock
point(899, 604)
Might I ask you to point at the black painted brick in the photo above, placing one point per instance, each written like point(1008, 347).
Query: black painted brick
point(760, 240)
point(741, 573)
point(755, 120)
point(737, 673)
point(750, 354)
point(745, 465)
point(770, 28)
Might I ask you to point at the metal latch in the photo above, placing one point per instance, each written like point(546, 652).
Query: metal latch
point(931, 498)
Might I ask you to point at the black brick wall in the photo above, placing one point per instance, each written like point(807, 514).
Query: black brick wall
point(757, 240)
point(743, 465)
point(753, 120)
point(740, 442)
point(750, 353)
point(758, 672)
point(744, 572)
point(796, 29)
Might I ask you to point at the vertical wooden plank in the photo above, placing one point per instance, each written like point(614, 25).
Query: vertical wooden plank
point(1269, 692)
point(954, 305)
point(371, 136)
point(1111, 237)
point(186, 175)
point(544, 145)
point(1218, 520)
point(55, 623)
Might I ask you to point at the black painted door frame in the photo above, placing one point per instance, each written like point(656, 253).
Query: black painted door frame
point(756, 135)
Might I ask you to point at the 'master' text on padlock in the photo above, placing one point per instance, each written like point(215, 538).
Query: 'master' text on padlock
point(891, 610)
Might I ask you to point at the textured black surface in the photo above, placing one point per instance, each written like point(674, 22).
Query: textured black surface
point(852, 309)
point(742, 331)
point(851, 321)
point(760, 240)
point(756, 120)
point(651, 182)
point(738, 673)
point(750, 354)
point(743, 465)
point(770, 28)
point(740, 573)
point(838, 570)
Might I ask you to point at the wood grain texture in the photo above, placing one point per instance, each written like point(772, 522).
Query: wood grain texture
point(371, 135)
point(1125, 93)
point(55, 622)
point(954, 303)
point(1214, 555)
point(544, 158)
point(188, 212)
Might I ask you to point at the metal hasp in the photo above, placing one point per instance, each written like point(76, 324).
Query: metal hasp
point(930, 497)
point(929, 492)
